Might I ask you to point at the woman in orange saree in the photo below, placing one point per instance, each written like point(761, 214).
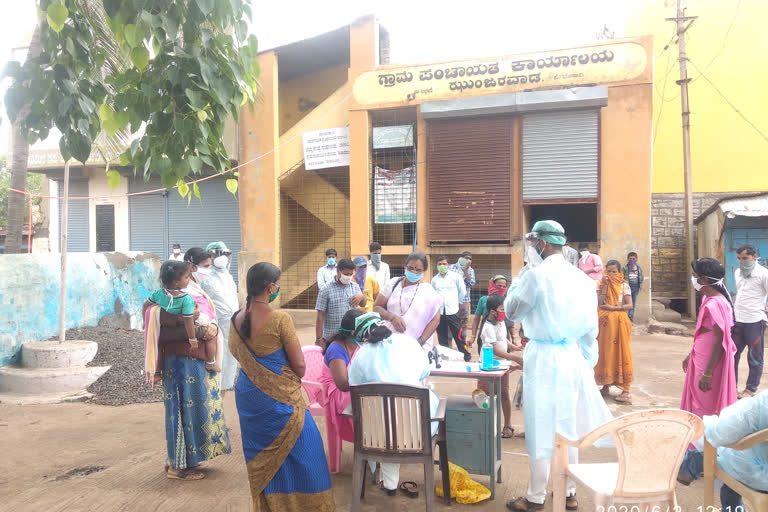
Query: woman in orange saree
point(614, 366)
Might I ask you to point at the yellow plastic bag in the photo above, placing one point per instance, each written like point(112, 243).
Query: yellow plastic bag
point(463, 488)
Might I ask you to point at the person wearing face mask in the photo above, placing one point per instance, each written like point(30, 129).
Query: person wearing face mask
point(176, 254)
point(221, 288)
point(366, 282)
point(493, 332)
point(590, 263)
point(335, 299)
point(633, 274)
point(201, 262)
point(750, 306)
point(409, 305)
point(284, 455)
point(710, 378)
point(450, 286)
point(378, 269)
point(557, 306)
point(327, 273)
point(496, 286)
point(392, 357)
point(463, 267)
point(342, 348)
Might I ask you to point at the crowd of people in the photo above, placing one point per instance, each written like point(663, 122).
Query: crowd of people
point(573, 313)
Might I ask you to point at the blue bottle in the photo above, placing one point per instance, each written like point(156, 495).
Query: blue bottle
point(487, 357)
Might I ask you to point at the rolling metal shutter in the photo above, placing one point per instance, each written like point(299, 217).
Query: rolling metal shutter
point(78, 232)
point(469, 169)
point(560, 155)
point(147, 217)
point(198, 223)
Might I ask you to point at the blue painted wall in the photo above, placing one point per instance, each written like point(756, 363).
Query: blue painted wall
point(97, 283)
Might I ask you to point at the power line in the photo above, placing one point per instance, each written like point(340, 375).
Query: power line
point(735, 109)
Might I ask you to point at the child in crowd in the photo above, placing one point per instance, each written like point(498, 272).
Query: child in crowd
point(175, 276)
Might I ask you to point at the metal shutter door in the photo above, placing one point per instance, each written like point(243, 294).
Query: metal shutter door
point(198, 224)
point(560, 155)
point(147, 218)
point(469, 170)
point(77, 229)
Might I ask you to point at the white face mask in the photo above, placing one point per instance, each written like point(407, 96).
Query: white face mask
point(221, 262)
point(584, 254)
point(695, 282)
point(343, 279)
point(177, 251)
point(201, 274)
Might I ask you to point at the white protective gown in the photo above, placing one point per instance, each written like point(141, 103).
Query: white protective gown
point(221, 288)
point(557, 305)
point(738, 420)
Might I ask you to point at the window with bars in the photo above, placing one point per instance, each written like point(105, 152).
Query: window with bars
point(393, 176)
point(314, 216)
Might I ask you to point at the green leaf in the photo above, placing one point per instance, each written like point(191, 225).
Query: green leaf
point(232, 186)
point(134, 35)
point(56, 15)
point(106, 113)
point(183, 188)
point(195, 163)
point(125, 159)
point(87, 104)
point(113, 178)
point(205, 6)
point(195, 99)
point(202, 116)
point(253, 44)
point(140, 57)
point(80, 146)
point(196, 190)
point(241, 29)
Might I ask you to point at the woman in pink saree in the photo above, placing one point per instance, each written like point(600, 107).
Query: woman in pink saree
point(338, 355)
point(710, 380)
point(409, 304)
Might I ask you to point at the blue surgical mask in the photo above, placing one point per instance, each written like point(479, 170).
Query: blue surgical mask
point(376, 259)
point(413, 277)
point(331, 262)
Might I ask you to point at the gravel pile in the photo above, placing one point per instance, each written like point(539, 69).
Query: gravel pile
point(123, 349)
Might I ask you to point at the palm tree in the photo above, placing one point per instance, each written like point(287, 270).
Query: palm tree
point(116, 61)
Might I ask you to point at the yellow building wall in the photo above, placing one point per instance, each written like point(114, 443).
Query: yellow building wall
point(300, 95)
point(625, 179)
point(727, 42)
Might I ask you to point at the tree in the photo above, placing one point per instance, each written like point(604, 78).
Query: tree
point(34, 185)
point(173, 100)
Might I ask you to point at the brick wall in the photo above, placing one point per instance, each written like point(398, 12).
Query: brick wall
point(669, 269)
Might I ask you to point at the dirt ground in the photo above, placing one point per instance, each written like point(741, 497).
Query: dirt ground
point(88, 457)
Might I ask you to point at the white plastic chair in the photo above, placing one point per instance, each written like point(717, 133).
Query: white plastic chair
point(650, 446)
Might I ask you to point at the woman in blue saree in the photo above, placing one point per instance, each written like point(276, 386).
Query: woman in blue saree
point(284, 454)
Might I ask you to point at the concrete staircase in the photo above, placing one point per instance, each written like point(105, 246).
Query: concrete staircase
point(50, 372)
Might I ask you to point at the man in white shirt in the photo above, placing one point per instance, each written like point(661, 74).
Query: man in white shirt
point(176, 255)
point(327, 273)
point(450, 287)
point(749, 309)
point(377, 268)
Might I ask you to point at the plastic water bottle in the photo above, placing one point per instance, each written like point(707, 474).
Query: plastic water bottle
point(480, 398)
point(487, 354)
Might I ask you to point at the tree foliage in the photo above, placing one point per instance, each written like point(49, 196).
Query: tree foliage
point(192, 64)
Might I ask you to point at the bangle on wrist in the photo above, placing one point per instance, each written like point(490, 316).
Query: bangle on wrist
point(211, 362)
point(421, 340)
point(705, 374)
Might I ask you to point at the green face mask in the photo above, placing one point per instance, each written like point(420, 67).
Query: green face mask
point(443, 269)
point(274, 295)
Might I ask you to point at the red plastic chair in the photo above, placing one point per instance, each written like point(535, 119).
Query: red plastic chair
point(317, 393)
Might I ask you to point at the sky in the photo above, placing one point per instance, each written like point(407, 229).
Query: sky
point(419, 31)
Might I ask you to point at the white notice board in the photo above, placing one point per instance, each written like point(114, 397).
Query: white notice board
point(326, 148)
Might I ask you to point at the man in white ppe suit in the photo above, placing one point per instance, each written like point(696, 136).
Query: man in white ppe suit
point(221, 288)
point(557, 306)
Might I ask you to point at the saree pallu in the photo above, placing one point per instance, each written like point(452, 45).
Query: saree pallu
point(283, 449)
point(194, 416)
point(614, 366)
point(713, 311)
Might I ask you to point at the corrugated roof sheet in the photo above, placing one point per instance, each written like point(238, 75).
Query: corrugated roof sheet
point(756, 206)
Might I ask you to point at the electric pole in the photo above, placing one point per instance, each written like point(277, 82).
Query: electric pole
point(681, 20)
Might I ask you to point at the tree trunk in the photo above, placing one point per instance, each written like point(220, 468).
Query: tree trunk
point(18, 202)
